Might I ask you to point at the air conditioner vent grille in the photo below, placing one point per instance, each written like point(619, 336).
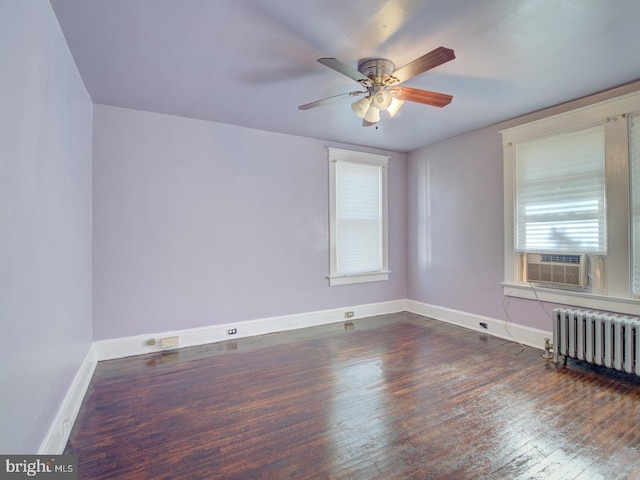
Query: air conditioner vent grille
point(552, 258)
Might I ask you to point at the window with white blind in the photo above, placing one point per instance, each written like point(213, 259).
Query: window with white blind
point(560, 193)
point(572, 186)
point(634, 143)
point(358, 217)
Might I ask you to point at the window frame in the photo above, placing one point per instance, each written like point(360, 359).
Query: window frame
point(335, 156)
point(615, 294)
point(634, 206)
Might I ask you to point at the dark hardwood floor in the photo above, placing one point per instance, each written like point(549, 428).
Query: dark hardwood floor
point(395, 397)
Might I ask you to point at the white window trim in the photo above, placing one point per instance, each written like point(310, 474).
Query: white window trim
point(634, 204)
point(340, 155)
point(617, 266)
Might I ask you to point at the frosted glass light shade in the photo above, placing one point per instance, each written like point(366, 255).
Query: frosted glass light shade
point(372, 115)
point(361, 106)
point(381, 99)
point(395, 106)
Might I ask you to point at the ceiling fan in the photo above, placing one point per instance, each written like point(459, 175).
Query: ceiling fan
point(382, 82)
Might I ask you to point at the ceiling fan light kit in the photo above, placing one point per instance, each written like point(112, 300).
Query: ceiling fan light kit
point(381, 99)
point(395, 106)
point(361, 106)
point(381, 80)
point(373, 115)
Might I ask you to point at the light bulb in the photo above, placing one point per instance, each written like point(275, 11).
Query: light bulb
point(381, 99)
point(361, 106)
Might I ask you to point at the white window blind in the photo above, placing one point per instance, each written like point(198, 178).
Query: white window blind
point(358, 249)
point(560, 193)
point(634, 141)
point(359, 222)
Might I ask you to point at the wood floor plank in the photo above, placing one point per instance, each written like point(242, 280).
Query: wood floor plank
point(398, 397)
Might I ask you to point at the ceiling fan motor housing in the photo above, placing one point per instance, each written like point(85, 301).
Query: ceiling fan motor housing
point(378, 70)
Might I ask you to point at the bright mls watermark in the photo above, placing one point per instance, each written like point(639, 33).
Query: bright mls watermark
point(43, 467)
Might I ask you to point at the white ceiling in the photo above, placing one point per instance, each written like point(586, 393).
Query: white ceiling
point(252, 62)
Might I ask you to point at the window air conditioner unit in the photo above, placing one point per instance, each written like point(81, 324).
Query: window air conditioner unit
point(566, 270)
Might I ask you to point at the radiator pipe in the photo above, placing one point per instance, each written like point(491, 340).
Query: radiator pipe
point(547, 349)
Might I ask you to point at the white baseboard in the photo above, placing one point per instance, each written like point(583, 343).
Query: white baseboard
point(58, 434)
point(137, 345)
point(532, 337)
point(56, 438)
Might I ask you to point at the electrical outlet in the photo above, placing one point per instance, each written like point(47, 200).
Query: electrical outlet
point(169, 342)
point(349, 314)
point(232, 331)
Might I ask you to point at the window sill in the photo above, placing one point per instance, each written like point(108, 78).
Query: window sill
point(362, 278)
point(579, 299)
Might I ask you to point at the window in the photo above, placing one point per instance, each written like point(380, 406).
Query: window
point(358, 217)
point(570, 181)
point(560, 193)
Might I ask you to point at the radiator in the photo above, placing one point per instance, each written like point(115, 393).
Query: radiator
point(604, 339)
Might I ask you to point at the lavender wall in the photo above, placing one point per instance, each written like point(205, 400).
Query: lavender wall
point(455, 222)
point(455, 229)
point(198, 223)
point(45, 222)
point(455, 217)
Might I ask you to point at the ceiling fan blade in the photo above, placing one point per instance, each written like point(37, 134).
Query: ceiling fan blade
point(434, 99)
point(426, 62)
point(347, 70)
point(325, 101)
